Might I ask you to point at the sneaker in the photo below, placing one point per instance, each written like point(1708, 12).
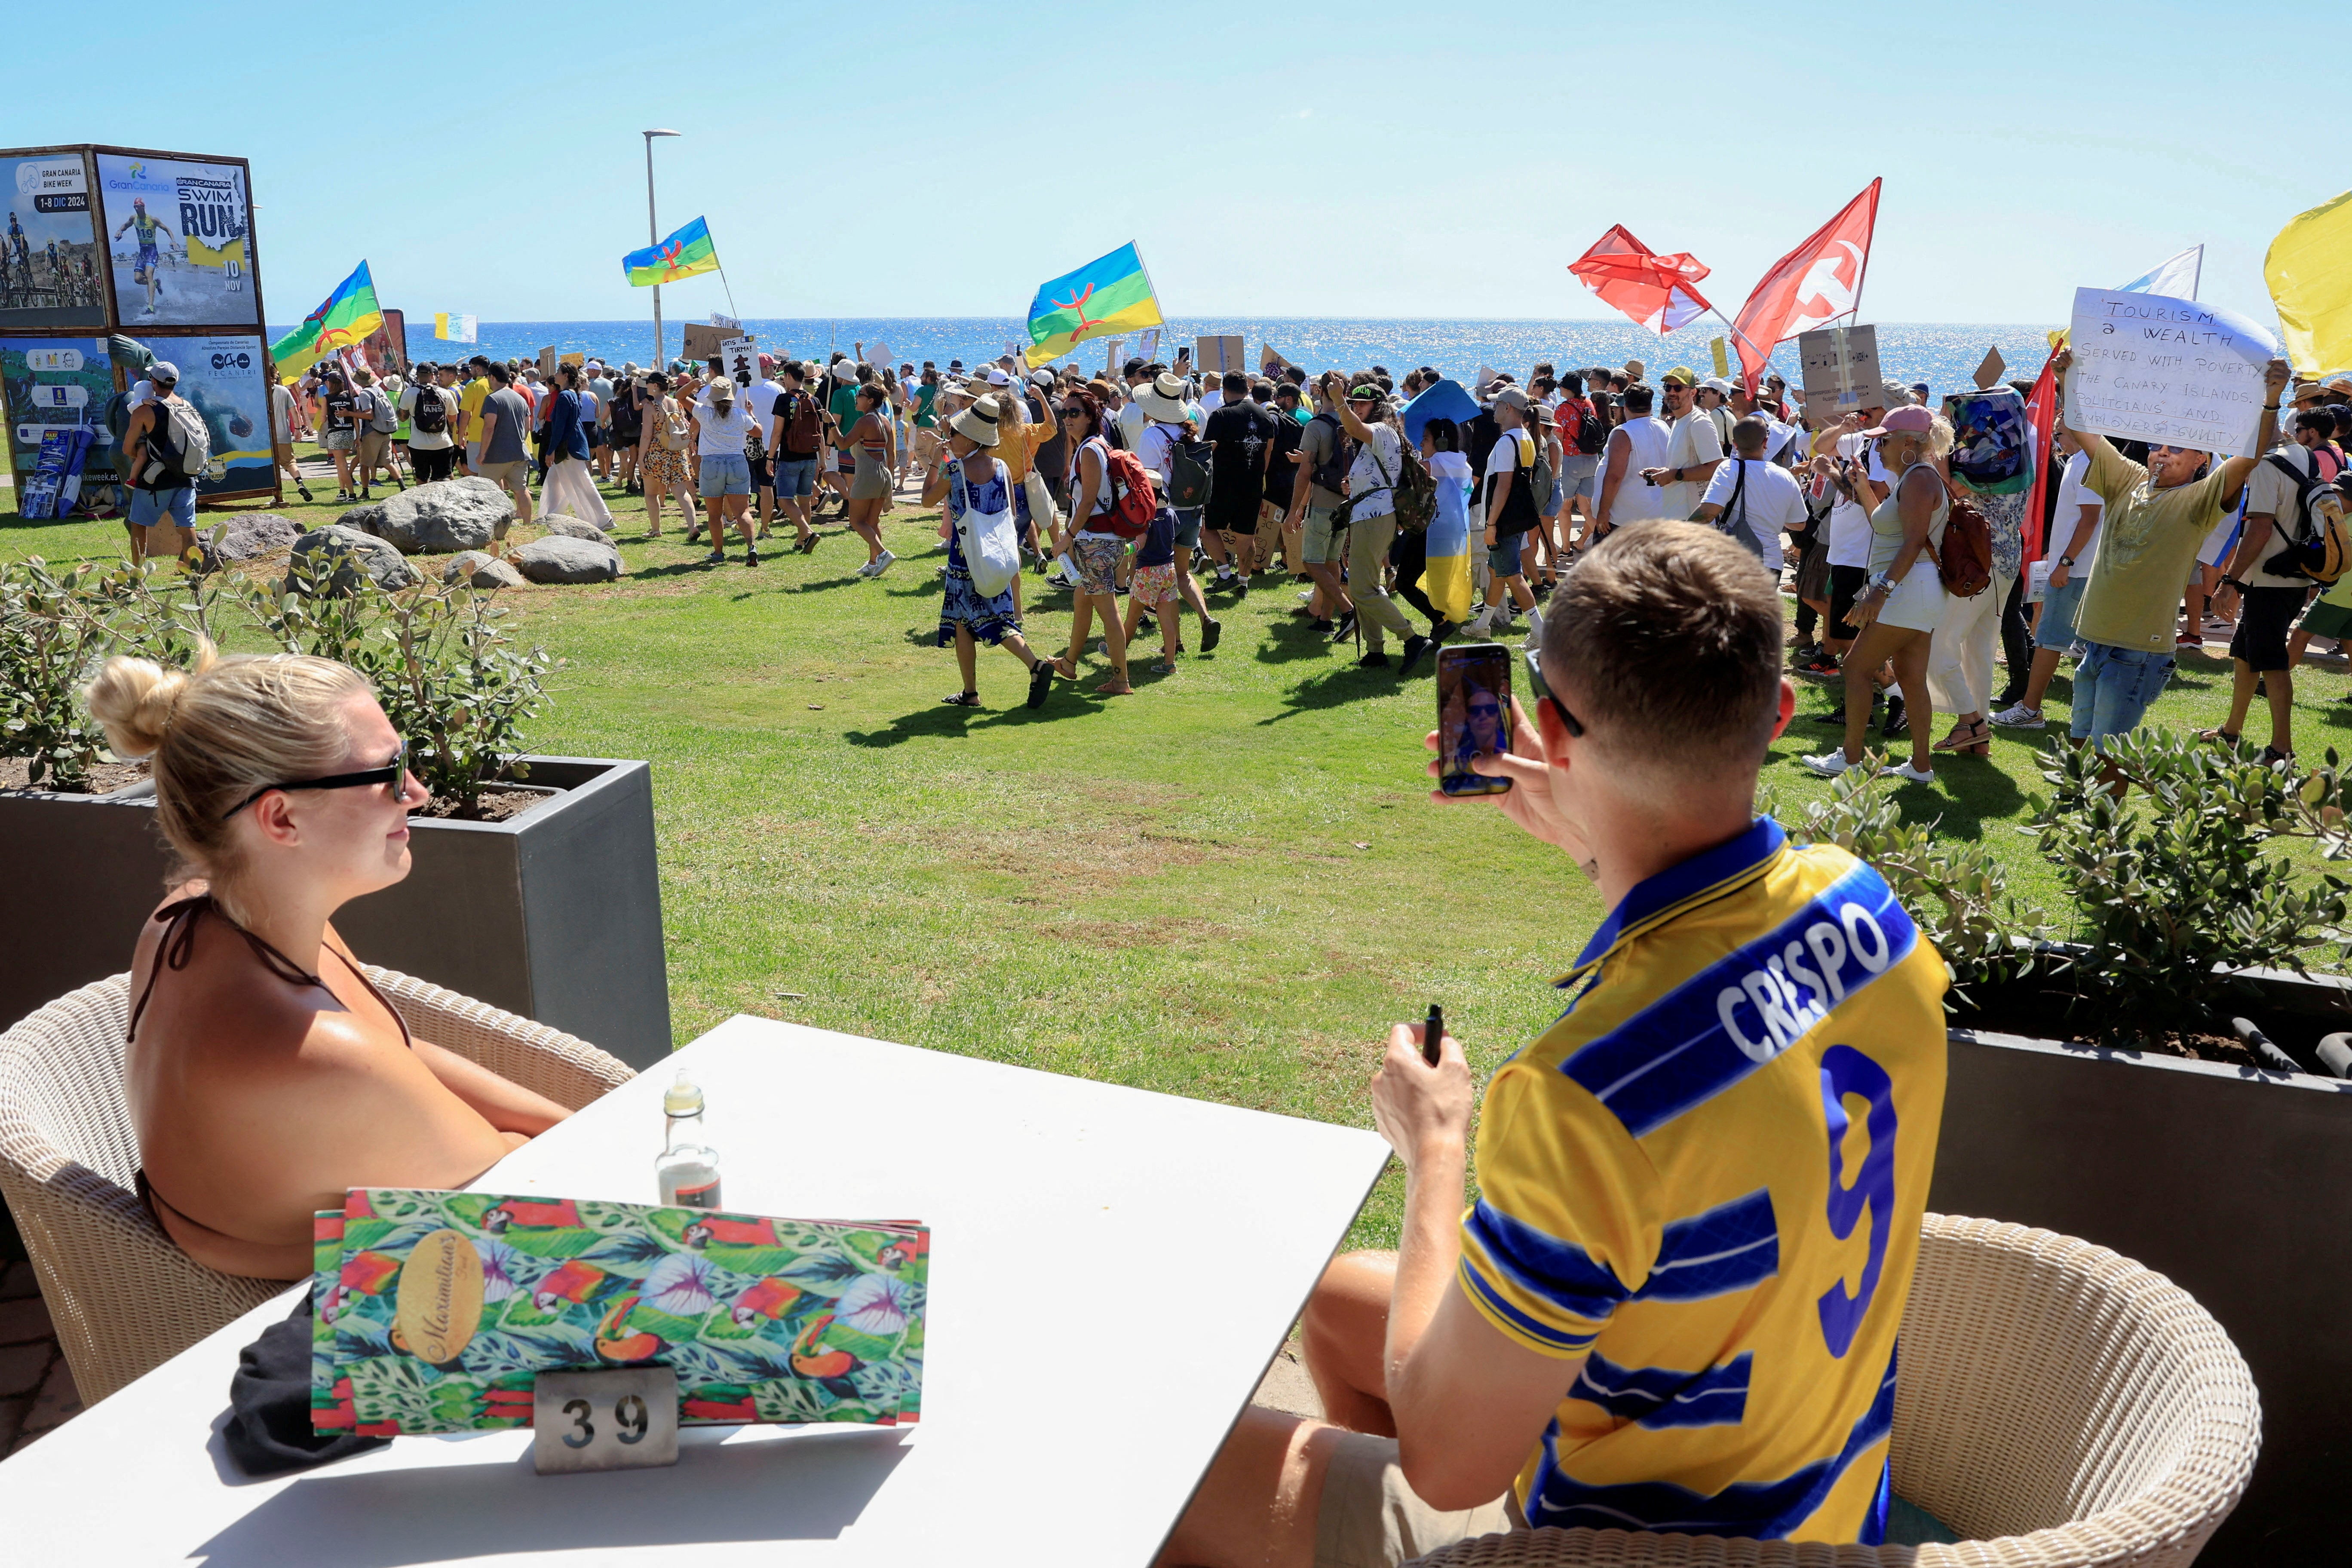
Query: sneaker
point(306, 494)
point(867, 570)
point(715, 557)
point(1375, 659)
point(2215, 626)
point(1414, 648)
point(882, 562)
point(1323, 626)
point(750, 558)
point(2019, 718)
point(1914, 776)
point(1343, 625)
point(1828, 765)
point(1820, 663)
point(1210, 632)
point(1896, 723)
point(2190, 642)
point(1535, 631)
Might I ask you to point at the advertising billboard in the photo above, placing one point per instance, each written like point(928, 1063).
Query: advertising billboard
point(179, 241)
point(54, 383)
point(50, 262)
point(225, 379)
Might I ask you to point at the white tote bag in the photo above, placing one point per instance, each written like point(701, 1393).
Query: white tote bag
point(992, 549)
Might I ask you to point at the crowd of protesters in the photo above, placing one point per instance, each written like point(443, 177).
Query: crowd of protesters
point(1313, 476)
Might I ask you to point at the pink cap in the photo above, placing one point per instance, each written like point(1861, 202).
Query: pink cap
point(1914, 420)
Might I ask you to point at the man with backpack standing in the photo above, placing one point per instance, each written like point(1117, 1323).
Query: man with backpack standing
point(432, 409)
point(796, 436)
point(164, 450)
point(374, 420)
point(1242, 435)
point(2285, 509)
point(1511, 482)
point(1324, 455)
point(1583, 437)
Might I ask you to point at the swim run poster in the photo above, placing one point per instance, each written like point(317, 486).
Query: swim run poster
point(179, 240)
point(223, 378)
point(49, 278)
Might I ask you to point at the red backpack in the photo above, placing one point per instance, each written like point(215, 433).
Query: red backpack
point(1134, 501)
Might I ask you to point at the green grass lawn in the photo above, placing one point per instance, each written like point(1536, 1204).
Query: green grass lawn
point(1226, 886)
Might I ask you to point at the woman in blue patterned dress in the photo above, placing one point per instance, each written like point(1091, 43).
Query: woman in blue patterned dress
point(974, 480)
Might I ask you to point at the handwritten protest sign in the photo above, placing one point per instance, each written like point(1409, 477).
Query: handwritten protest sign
point(2148, 367)
point(1841, 372)
point(739, 357)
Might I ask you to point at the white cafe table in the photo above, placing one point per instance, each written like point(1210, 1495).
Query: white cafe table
point(1111, 1272)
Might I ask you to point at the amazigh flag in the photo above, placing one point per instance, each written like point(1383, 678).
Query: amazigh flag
point(1656, 291)
point(682, 255)
point(1108, 296)
point(346, 318)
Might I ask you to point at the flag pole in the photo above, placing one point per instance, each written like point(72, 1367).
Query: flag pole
point(732, 309)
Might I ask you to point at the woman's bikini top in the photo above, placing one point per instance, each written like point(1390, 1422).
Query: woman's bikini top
point(180, 920)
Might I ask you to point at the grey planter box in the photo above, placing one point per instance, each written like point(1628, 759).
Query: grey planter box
point(555, 914)
point(2229, 1181)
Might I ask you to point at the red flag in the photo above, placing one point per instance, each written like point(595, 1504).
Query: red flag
point(1813, 284)
point(1654, 290)
point(2042, 413)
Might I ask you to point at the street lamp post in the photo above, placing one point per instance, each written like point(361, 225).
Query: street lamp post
point(653, 237)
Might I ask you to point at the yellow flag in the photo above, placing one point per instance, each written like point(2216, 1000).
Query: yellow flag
point(2309, 270)
point(1722, 356)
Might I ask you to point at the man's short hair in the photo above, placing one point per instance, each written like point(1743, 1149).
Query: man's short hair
point(1749, 434)
point(1236, 383)
point(1640, 398)
point(1665, 643)
point(501, 374)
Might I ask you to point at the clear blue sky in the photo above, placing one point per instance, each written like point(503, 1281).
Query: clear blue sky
point(1376, 159)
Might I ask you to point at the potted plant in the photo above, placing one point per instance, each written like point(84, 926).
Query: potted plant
point(534, 886)
point(2068, 1106)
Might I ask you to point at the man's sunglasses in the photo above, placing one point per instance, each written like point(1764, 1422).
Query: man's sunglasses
point(1542, 689)
point(394, 773)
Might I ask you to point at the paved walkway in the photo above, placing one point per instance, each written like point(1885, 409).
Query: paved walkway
point(37, 1392)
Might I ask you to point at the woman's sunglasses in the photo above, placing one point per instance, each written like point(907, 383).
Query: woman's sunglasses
point(394, 773)
point(1074, 414)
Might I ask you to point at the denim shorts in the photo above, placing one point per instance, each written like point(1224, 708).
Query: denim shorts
point(795, 477)
point(1576, 474)
point(2058, 608)
point(1504, 557)
point(726, 474)
point(2114, 688)
point(150, 509)
point(1188, 528)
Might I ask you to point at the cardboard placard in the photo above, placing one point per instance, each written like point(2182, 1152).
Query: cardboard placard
point(879, 355)
point(1841, 372)
point(1146, 343)
point(2150, 367)
point(1989, 371)
point(702, 341)
point(1270, 360)
point(1218, 356)
point(741, 359)
point(547, 360)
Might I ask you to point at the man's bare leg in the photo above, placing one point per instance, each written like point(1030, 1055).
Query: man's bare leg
point(1256, 1506)
point(1344, 1334)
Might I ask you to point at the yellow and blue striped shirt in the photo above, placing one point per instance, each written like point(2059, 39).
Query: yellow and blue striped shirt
point(1707, 1179)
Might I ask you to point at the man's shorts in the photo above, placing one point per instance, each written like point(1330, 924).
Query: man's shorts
point(1318, 547)
point(508, 477)
point(1504, 557)
point(594, 432)
point(372, 445)
point(338, 441)
point(795, 477)
point(725, 474)
point(1188, 532)
point(1846, 583)
point(2056, 627)
point(1577, 472)
point(762, 475)
point(2264, 620)
point(169, 509)
point(1370, 1517)
point(1237, 515)
point(2114, 688)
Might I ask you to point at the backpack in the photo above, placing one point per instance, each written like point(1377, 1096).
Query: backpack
point(176, 449)
point(1189, 480)
point(1528, 482)
point(1331, 474)
point(1133, 502)
point(804, 429)
point(1965, 561)
point(382, 417)
point(1591, 431)
point(1416, 492)
point(2323, 556)
point(431, 415)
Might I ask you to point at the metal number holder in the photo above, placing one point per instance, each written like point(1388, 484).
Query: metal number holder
point(621, 1419)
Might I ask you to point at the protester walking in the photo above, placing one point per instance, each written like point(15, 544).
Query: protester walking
point(795, 437)
point(1510, 513)
point(974, 490)
point(1634, 449)
point(569, 486)
point(1170, 421)
point(1325, 455)
point(432, 410)
point(867, 441)
point(505, 460)
point(339, 434)
point(661, 455)
point(1093, 545)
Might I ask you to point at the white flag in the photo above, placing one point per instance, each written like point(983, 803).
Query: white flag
point(2175, 277)
point(452, 328)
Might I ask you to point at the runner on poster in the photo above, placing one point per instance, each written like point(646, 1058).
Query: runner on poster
point(223, 378)
point(49, 252)
point(179, 237)
point(54, 383)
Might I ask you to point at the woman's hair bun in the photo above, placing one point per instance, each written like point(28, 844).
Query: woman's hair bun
point(132, 701)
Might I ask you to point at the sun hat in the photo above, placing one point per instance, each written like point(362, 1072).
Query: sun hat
point(1633, 369)
point(720, 390)
point(1911, 419)
point(1716, 383)
point(975, 424)
point(1164, 398)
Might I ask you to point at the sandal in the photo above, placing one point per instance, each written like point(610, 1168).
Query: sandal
point(962, 700)
point(1041, 682)
point(1114, 687)
point(1973, 739)
point(2219, 737)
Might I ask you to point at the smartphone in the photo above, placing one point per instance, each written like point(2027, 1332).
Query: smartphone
point(1473, 714)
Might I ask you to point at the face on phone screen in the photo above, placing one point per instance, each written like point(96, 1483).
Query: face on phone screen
point(1474, 715)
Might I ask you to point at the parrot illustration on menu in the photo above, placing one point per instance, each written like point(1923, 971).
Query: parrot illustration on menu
point(498, 1219)
point(616, 1342)
point(823, 1364)
point(771, 1298)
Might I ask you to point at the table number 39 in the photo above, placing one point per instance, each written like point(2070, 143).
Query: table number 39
point(622, 1419)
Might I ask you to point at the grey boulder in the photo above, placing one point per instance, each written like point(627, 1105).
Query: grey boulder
point(557, 559)
point(447, 514)
point(481, 571)
point(250, 534)
point(574, 528)
point(345, 555)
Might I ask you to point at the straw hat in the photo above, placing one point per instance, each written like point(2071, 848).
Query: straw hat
point(1164, 398)
point(976, 423)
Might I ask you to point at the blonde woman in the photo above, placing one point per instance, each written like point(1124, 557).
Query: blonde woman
point(1905, 602)
point(265, 1073)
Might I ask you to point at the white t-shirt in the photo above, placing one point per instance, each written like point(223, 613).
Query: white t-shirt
point(1212, 400)
point(1155, 447)
point(425, 440)
point(760, 398)
point(1638, 500)
point(1770, 501)
point(2268, 490)
point(1375, 496)
point(1850, 522)
point(722, 435)
point(1130, 420)
point(281, 413)
point(1695, 442)
point(2074, 495)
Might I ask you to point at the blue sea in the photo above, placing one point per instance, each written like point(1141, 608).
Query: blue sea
point(1943, 355)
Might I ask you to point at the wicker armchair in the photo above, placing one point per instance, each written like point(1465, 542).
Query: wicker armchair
point(2059, 1405)
point(123, 1298)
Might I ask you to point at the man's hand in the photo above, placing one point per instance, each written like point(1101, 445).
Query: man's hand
point(2275, 379)
point(2060, 574)
point(1422, 1110)
point(1530, 802)
point(1656, 476)
point(2062, 361)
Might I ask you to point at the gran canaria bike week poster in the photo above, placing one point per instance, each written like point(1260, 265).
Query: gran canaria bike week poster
point(49, 260)
point(179, 237)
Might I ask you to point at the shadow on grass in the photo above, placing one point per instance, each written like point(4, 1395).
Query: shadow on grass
point(947, 721)
point(1336, 689)
point(1293, 637)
